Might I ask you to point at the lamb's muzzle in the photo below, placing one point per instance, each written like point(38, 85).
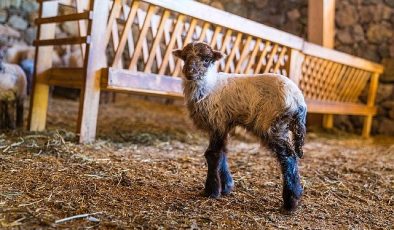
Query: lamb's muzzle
point(269, 105)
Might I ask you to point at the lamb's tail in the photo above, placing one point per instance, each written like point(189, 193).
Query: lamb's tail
point(298, 129)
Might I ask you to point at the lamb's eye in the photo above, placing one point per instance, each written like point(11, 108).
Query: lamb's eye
point(205, 60)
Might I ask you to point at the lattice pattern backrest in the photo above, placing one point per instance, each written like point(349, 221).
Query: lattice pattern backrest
point(326, 80)
point(143, 36)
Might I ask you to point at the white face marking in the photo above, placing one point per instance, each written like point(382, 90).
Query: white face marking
point(211, 77)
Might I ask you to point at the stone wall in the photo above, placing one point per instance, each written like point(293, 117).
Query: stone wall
point(364, 28)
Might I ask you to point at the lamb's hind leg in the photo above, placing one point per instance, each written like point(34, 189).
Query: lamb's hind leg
point(19, 113)
point(225, 175)
point(9, 118)
point(213, 155)
point(292, 188)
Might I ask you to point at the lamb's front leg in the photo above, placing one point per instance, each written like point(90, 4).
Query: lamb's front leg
point(225, 175)
point(213, 187)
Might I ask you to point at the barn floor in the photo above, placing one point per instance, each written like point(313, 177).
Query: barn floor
point(147, 171)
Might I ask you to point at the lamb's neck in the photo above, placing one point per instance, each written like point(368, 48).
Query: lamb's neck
point(197, 90)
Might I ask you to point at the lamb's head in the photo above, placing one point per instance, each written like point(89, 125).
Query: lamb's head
point(199, 58)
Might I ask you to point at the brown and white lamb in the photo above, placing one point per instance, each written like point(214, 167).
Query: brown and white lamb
point(270, 106)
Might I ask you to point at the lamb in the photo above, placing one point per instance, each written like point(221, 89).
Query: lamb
point(13, 85)
point(270, 106)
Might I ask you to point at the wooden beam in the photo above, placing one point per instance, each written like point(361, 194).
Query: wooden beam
point(94, 61)
point(130, 81)
point(321, 22)
point(43, 62)
point(342, 58)
point(63, 18)
point(316, 106)
point(66, 77)
point(62, 41)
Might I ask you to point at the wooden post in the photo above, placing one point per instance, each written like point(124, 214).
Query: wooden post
point(373, 87)
point(95, 60)
point(43, 62)
point(321, 30)
point(321, 22)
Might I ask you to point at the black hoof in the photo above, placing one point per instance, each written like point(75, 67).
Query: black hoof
point(290, 205)
point(212, 194)
point(227, 188)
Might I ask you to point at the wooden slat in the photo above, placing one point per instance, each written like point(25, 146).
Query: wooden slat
point(130, 40)
point(252, 57)
point(271, 58)
point(141, 14)
point(115, 11)
point(226, 41)
point(215, 36)
point(262, 57)
point(316, 106)
point(87, 15)
point(243, 54)
point(232, 54)
point(187, 40)
point(125, 33)
point(204, 30)
point(171, 44)
point(125, 80)
point(141, 38)
point(82, 24)
point(280, 59)
point(62, 41)
point(327, 87)
point(156, 42)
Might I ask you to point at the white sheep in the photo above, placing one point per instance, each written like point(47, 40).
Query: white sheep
point(269, 105)
point(13, 90)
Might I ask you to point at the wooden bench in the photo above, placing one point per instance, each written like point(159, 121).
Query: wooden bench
point(140, 39)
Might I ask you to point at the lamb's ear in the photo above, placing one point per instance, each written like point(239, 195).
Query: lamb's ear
point(217, 55)
point(179, 54)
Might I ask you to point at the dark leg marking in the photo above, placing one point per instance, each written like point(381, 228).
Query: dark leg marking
point(225, 175)
point(292, 188)
point(2, 115)
point(9, 122)
point(213, 154)
point(19, 113)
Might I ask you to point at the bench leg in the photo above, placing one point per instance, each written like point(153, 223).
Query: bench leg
point(38, 107)
point(88, 113)
point(367, 126)
point(328, 121)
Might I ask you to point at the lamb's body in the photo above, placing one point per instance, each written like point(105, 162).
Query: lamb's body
point(269, 105)
point(12, 82)
point(13, 90)
point(228, 100)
